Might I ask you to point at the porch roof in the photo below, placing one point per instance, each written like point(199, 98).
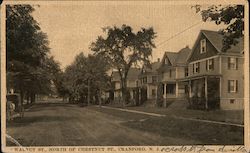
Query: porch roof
point(199, 77)
point(169, 81)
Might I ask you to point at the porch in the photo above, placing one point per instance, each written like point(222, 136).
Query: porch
point(203, 92)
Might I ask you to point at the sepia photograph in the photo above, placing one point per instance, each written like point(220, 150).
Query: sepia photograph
point(124, 74)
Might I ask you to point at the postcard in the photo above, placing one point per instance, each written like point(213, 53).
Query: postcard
point(124, 76)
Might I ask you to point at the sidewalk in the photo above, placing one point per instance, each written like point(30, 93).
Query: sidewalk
point(214, 117)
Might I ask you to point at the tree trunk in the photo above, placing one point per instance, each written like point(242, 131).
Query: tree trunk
point(21, 97)
point(33, 97)
point(124, 91)
point(99, 98)
point(27, 97)
point(88, 92)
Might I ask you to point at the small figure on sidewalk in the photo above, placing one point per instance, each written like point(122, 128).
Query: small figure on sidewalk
point(10, 110)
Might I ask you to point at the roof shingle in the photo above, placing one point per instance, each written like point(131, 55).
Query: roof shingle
point(217, 41)
point(132, 74)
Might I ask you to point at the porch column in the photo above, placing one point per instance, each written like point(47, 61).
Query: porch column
point(139, 92)
point(176, 89)
point(206, 92)
point(165, 95)
point(190, 88)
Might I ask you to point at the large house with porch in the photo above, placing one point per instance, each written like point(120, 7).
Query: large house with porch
point(174, 66)
point(215, 77)
point(148, 82)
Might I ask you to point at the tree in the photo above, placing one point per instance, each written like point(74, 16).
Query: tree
point(86, 77)
point(231, 15)
point(27, 53)
point(123, 48)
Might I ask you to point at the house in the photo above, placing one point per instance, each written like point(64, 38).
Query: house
point(174, 66)
point(132, 81)
point(149, 82)
point(215, 77)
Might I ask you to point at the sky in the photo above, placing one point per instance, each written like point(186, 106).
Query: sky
point(72, 28)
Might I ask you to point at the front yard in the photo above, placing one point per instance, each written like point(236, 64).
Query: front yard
point(217, 115)
point(228, 116)
point(169, 126)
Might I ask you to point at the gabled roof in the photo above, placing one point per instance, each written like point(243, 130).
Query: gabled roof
point(216, 40)
point(179, 57)
point(132, 74)
point(154, 67)
point(183, 55)
point(172, 56)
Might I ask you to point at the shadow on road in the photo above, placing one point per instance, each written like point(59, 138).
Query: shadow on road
point(48, 106)
point(26, 121)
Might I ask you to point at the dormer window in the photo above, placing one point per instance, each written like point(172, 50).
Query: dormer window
point(166, 61)
point(203, 46)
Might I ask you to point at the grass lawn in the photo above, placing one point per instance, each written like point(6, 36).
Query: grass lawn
point(231, 116)
point(206, 133)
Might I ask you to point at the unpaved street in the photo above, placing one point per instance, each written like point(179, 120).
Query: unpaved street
point(57, 124)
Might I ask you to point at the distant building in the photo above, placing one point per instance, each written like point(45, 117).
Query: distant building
point(174, 66)
point(148, 82)
point(132, 80)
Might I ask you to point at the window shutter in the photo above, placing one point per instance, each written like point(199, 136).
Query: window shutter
point(236, 85)
point(198, 67)
point(228, 86)
point(228, 62)
point(236, 63)
point(206, 64)
point(212, 63)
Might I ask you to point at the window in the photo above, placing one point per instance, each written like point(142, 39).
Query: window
point(170, 88)
point(196, 67)
point(210, 64)
point(163, 88)
point(186, 71)
point(203, 46)
point(144, 80)
point(170, 73)
point(232, 63)
point(186, 89)
point(232, 101)
point(154, 79)
point(153, 92)
point(166, 61)
point(232, 86)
